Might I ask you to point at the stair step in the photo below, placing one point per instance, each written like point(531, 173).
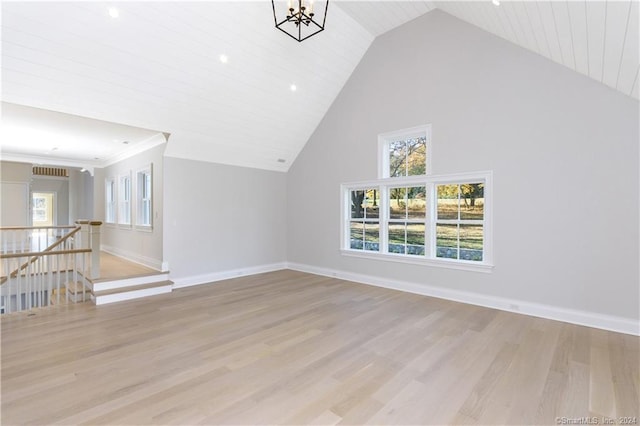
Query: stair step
point(118, 294)
point(129, 282)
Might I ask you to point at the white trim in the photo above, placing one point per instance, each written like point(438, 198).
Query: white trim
point(225, 275)
point(557, 313)
point(135, 258)
point(36, 159)
point(439, 262)
point(151, 142)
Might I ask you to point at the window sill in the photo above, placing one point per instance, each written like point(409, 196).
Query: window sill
point(439, 263)
point(144, 228)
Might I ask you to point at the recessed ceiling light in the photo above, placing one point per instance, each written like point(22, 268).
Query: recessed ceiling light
point(293, 87)
point(224, 59)
point(55, 148)
point(82, 170)
point(113, 12)
point(496, 2)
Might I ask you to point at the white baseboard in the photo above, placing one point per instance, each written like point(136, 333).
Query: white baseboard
point(225, 275)
point(156, 264)
point(589, 319)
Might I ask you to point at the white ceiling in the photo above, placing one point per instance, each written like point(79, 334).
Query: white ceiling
point(157, 66)
point(47, 137)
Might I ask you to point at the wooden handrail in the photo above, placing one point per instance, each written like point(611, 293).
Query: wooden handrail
point(20, 228)
point(35, 255)
point(42, 253)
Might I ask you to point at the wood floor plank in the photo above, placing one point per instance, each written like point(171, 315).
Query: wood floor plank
point(293, 348)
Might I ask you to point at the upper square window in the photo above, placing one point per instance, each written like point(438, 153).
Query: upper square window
point(405, 153)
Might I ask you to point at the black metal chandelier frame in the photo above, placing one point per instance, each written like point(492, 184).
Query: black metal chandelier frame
point(300, 18)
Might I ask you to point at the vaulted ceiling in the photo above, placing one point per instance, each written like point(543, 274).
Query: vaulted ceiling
point(218, 77)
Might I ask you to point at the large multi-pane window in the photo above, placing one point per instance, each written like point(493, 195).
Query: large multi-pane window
point(409, 214)
point(110, 200)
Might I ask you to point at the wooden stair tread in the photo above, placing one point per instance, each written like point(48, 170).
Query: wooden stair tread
point(107, 279)
point(75, 287)
point(132, 288)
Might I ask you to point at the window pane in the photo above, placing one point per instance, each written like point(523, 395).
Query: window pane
point(447, 201)
point(416, 156)
point(472, 201)
point(415, 238)
point(372, 203)
point(357, 204)
point(397, 203)
point(416, 202)
point(471, 237)
point(447, 241)
point(365, 203)
point(397, 237)
point(397, 158)
point(372, 236)
point(146, 212)
point(356, 235)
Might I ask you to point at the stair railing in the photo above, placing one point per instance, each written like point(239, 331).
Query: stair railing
point(32, 276)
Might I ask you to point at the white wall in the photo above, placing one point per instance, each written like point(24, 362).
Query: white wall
point(222, 218)
point(142, 246)
point(563, 148)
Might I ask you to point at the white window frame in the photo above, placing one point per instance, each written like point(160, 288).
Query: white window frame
point(430, 182)
point(110, 205)
point(124, 204)
point(385, 139)
point(148, 170)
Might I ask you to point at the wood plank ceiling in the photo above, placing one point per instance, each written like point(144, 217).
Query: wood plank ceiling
point(158, 65)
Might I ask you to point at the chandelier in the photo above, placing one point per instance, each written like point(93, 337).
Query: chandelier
point(299, 19)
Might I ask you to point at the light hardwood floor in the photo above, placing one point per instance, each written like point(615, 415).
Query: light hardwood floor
point(114, 268)
point(293, 348)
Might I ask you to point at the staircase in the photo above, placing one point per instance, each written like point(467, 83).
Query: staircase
point(107, 290)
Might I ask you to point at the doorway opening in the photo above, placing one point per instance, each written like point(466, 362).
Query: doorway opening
point(44, 211)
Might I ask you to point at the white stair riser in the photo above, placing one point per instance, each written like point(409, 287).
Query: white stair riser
point(110, 285)
point(128, 295)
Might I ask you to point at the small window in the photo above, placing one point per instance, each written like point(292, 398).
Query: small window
point(144, 197)
point(110, 200)
point(124, 214)
point(405, 153)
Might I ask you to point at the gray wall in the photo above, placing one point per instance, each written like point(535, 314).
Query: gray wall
point(15, 196)
point(80, 195)
point(563, 148)
point(222, 217)
point(143, 246)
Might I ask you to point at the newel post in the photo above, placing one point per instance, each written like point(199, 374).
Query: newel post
point(94, 245)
